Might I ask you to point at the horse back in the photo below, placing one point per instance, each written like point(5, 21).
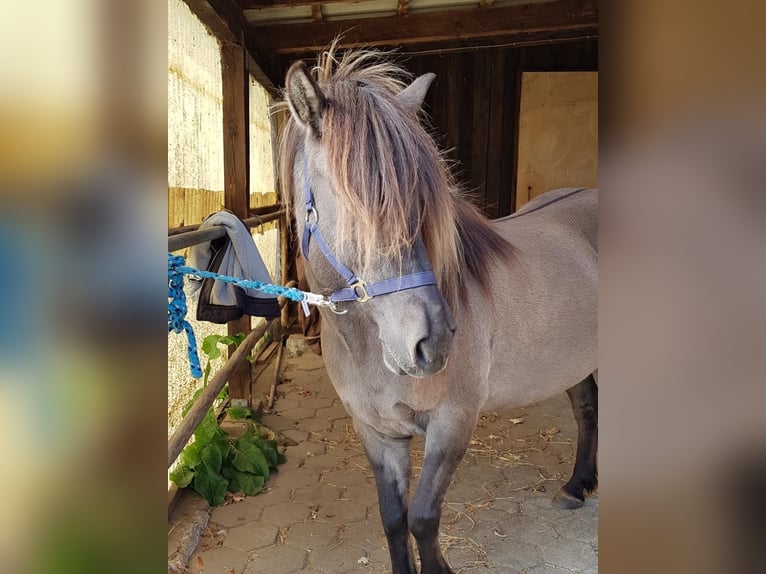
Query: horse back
point(574, 209)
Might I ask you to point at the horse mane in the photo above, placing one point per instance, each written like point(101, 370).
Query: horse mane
point(393, 182)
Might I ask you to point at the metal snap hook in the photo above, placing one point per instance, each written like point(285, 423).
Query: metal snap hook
point(334, 308)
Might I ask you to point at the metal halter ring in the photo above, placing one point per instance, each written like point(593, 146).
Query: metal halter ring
point(311, 210)
point(361, 287)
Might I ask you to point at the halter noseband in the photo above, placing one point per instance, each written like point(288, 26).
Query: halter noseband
point(358, 289)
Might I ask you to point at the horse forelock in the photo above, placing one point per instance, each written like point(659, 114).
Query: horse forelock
point(394, 184)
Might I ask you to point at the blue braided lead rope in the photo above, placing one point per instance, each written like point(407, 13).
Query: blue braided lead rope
point(288, 292)
point(177, 300)
point(177, 312)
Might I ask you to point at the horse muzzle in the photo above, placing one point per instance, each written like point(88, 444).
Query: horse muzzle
point(419, 369)
point(420, 345)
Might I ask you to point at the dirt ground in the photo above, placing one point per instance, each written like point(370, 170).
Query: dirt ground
point(320, 512)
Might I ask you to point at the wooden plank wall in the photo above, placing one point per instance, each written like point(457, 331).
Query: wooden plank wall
point(474, 105)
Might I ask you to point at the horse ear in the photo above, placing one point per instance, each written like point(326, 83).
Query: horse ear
point(413, 95)
point(305, 98)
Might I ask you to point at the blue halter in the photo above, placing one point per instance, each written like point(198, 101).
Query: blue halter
point(358, 289)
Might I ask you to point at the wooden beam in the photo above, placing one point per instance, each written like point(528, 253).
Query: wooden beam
point(183, 237)
point(236, 177)
point(261, 4)
point(522, 21)
point(284, 264)
point(316, 13)
point(485, 3)
point(258, 72)
point(225, 20)
point(276, 121)
point(223, 28)
point(402, 7)
point(236, 123)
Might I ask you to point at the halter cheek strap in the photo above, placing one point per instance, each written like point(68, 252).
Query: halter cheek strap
point(358, 290)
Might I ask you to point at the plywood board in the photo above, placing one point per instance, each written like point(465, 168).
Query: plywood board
point(558, 133)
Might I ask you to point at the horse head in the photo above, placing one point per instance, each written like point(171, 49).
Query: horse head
point(352, 151)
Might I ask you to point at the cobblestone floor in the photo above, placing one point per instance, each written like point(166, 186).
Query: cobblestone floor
point(320, 512)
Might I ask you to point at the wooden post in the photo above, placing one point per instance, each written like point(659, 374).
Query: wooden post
point(276, 122)
point(284, 263)
point(236, 159)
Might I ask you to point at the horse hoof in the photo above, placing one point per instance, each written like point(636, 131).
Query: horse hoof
point(567, 501)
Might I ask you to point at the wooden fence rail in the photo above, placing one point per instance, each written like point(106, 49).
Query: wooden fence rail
point(197, 412)
point(203, 403)
point(183, 240)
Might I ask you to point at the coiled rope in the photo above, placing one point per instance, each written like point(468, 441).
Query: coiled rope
point(177, 307)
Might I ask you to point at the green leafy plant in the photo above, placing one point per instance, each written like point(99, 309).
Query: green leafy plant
point(216, 462)
point(211, 346)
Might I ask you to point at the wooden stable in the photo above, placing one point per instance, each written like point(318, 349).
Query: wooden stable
point(480, 51)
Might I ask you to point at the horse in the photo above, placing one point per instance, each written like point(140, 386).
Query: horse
point(435, 312)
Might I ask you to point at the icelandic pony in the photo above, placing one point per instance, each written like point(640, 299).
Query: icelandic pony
point(475, 314)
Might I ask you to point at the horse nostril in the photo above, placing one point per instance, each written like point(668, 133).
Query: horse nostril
point(422, 353)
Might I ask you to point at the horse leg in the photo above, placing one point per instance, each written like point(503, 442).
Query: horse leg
point(584, 399)
point(446, 441)
point(390, 461)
